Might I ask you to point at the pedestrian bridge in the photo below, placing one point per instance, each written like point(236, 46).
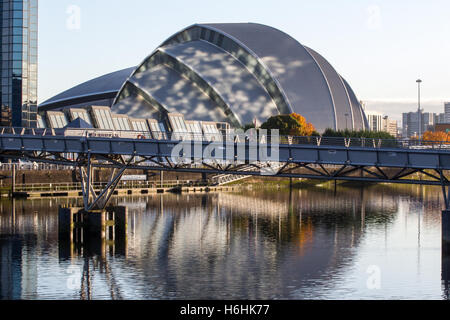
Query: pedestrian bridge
point(352, 159)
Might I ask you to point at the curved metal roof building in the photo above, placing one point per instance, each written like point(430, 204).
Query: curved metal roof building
point(100, 91)
point(233, 73)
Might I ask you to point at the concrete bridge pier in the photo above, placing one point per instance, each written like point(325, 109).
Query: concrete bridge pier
point(446, 251)
point(446, 233)
point(93, 233)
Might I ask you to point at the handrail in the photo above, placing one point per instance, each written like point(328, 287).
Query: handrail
point(57, 187)
point(373, 143)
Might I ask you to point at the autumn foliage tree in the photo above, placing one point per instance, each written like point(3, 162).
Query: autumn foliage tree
point(290, 125)
point(438, 136)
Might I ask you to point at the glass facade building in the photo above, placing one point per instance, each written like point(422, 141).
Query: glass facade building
point(19, 58)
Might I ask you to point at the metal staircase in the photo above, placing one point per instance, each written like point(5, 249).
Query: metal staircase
point(224, 179)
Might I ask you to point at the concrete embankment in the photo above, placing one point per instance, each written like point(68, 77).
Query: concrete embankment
point(71, 176)
point(66, 183)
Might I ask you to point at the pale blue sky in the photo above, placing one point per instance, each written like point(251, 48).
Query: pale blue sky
point(380, 47)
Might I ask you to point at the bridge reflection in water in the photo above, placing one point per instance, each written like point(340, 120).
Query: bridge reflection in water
point(308, 243)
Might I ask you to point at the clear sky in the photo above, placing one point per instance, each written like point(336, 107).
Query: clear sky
point(380, 47)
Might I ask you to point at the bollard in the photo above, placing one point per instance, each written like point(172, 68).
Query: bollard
point(446, 250)
point(121, 225)
point(66, 227)
point(121, 218)
point(95, 230)
point(64, 220)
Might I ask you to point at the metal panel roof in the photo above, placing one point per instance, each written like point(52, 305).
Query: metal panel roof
point(230, 79)
point(298, 74)
point(109, 83)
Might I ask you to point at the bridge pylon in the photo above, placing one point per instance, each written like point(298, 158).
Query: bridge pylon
point(92, 199)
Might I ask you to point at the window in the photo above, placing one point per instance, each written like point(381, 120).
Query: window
point(17, 47)
point(17, 6)
point(40, 122)
point(116, 123)
point(17, 22)
point(17, 39)
point(17, 14)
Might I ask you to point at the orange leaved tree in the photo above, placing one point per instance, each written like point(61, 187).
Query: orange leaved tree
point(290, 125)
point(438, 136)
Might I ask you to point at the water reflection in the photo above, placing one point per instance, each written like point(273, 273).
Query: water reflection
point(270, 244)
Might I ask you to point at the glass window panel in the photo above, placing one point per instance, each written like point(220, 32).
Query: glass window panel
point(182, 125)
point(104, 120)
point(175, 124)
point(17, 64)
point(17, 31)
point(109, 120)
point(17, 5)
point(17, 47)
point(116, 123)
point(17, 14)
point(17, 39)
point(17, 22)
point(98, 119)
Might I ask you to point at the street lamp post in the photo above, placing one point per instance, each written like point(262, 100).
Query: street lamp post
point(419, 110)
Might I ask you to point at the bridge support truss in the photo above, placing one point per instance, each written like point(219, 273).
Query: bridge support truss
point(98, 200)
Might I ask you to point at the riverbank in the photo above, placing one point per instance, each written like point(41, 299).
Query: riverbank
point(66, 183)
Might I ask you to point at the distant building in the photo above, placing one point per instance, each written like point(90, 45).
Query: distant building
point(390, 126)
point(447, 112)
point(440, 118)
point(411, 123)
point(428, 121)
point(375, 120)
point(444, 127)
point(5, 116)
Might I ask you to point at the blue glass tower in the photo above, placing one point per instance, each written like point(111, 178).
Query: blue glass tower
point(18, 56)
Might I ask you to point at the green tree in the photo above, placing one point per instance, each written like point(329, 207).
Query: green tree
point(357, 134)
point(248, 127)
point(290, 125)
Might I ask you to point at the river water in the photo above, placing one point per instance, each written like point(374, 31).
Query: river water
point(375, 242)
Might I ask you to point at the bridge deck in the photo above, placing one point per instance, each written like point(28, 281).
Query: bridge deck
point(396, 156)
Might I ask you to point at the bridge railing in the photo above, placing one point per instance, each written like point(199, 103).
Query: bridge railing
point(61, 187)
point(31, 166)
point(231, 137)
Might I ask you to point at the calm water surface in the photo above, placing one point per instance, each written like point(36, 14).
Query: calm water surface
point(378, 242)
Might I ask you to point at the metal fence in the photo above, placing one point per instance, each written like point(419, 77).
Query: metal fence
point(235, 137)
point(32, 166)
point(61, 187)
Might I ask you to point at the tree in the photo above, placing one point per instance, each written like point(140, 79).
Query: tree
point(357, 134)
point(248, 127)
point(290, 125)
point(438, 136)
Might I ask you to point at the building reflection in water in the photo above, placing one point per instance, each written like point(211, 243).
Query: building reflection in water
point(253, 245)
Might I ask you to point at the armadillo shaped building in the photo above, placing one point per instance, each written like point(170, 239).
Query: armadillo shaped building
point(235, 73)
